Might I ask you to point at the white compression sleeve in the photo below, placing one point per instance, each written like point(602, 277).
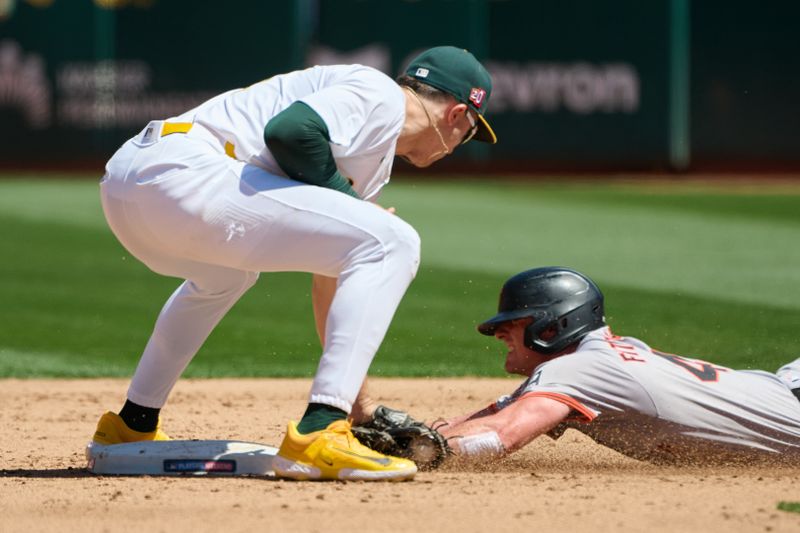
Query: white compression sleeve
point(482, 444)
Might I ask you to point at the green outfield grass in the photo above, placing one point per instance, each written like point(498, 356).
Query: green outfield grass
point(705, 271)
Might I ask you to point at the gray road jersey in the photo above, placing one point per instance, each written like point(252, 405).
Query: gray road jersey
point(662, 407)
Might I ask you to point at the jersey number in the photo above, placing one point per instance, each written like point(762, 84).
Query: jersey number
point(700, 369)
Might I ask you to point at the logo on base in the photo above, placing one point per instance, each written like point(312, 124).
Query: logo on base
point(199, 465)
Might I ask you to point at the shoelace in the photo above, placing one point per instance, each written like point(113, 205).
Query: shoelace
point(352, 441)
point(344, 429)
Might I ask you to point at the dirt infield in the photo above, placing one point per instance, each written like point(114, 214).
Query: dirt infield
point(568, 485)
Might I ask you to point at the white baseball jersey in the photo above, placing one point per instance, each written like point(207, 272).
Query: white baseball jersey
point(662, 407)
point(363, 109)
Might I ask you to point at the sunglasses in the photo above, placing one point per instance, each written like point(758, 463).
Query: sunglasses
point(473, 128)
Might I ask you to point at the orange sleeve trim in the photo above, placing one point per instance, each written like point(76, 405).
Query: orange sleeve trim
point(569, 401)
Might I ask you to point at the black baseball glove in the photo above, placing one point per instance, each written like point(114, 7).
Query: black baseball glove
point(394, 432)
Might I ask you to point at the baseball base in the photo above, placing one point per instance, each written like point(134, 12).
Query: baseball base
point(181, 457)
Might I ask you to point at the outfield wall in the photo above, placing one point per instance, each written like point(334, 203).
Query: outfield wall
point(579, 84)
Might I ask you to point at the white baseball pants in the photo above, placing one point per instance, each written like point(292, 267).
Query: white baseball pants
point(185, 209)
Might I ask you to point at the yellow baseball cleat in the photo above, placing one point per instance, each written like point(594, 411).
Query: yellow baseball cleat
point(111, 429)
point(334, 453)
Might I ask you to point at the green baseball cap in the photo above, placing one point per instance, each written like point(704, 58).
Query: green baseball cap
point(457, 72)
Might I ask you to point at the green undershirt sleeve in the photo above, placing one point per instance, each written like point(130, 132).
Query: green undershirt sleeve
point(298, 139)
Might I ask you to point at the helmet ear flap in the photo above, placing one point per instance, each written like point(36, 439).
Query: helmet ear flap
point(553, 343)
point(532, 331)
point(530, 336)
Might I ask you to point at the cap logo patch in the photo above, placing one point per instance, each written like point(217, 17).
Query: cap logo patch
point(422, 72)
point(476, 96)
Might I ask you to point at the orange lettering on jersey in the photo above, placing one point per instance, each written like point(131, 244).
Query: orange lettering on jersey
point(630, 356)
point(626, 351)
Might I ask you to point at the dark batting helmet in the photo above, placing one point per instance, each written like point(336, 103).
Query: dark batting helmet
point(555, 297)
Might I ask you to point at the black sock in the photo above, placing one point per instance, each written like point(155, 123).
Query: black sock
point(139, 418)
point(318, 416)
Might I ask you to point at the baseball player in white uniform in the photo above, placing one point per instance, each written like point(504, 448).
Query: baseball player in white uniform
point(283, 176)
point(646, 404)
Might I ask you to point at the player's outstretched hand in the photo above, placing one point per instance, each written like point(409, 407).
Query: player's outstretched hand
point(395, 432)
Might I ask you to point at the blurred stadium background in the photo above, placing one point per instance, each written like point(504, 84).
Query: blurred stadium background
point(579, 84)
point(661, 92)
